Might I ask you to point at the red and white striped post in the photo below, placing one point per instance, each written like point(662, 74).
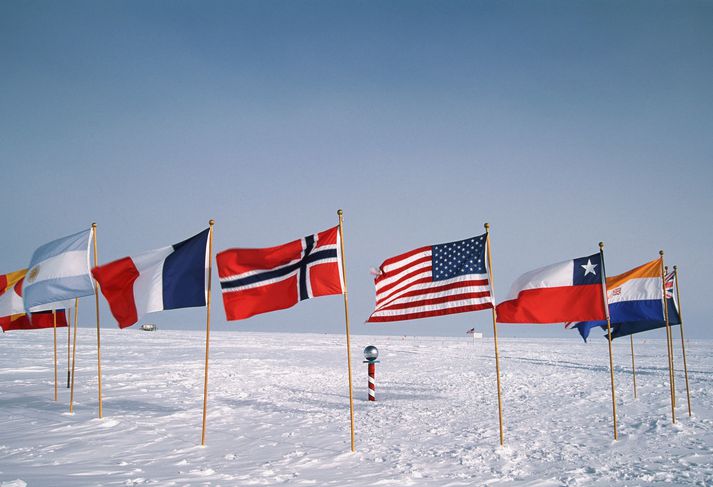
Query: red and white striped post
point(370, 354)
point(372, 381)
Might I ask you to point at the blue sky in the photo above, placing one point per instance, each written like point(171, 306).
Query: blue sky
point(560, 123)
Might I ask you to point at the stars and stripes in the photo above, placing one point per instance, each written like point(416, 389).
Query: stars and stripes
point(434, 280)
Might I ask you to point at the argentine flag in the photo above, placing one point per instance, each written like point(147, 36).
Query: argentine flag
point(59, 271)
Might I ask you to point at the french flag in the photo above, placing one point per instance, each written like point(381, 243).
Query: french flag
point(167, 278)
point(567, 291)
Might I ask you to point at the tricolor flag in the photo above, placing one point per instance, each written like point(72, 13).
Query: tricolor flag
point(636, 302)
point(635, 295)
point(167, 278)
point(567, 291)
point(12, 310)
point(58, 271)
point(432, 281)
point(257, 281)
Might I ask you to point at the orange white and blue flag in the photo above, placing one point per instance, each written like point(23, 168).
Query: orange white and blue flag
point(634, 296)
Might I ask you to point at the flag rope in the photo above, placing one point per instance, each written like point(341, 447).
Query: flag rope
point(207, 327)
point(633, 365)
point(54, 326)
point(340, 214)
point(668, 341)
point(69, 345)
point(495, 334)
point(683, 343)
point(609, 339)
point(96, 302)
point(74, 355)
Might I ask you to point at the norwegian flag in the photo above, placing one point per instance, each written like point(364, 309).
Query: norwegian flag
point(432, 281)
point(668, 284)
point(257, 281)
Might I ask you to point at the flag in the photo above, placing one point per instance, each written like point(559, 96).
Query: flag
point(566, 291)
point(11, 293)
point(432, 281)
point(630, 327)
point(58, 271)
point(669, 283)
point(470, 332)
point(167, 278)
point(39, 320)
point(12, 310)
point(634, 296)
point(261, 280)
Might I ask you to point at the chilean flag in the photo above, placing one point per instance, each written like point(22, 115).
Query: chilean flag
point(567, 291)
point(166, 278)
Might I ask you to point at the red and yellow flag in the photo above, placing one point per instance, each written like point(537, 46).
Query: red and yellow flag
point(12, 312)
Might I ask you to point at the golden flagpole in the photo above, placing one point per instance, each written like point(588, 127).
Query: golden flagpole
point(668, 341)
point(54, 323)
point(340, 213)
point(495, 332)
point(609, 339)
point(96, 302)
point(633, 365)
point(69, 344)
point(683, 342)
point(74, 355)
point(207, 326)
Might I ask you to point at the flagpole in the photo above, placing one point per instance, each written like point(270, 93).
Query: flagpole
point(495, 333)
point(207, 326)
point(340, 213)
point(668, 341)
point(96, 302)
point(683, 343)
point(74, 354)
point(633, 366)
point(611, 358)
point(54, 326)
point(670, 337)
point(69, 344)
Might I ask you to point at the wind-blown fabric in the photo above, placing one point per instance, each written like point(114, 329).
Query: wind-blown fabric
point(58, 271)
point(567, 291)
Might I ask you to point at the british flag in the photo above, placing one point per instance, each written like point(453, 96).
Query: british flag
point(668, 284)
point(257, 281)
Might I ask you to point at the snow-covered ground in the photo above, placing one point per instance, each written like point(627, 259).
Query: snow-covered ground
point(279, 412)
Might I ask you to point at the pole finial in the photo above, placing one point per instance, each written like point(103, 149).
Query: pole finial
point(601, 245)
point(340, 212)
point(665, 268)
point(94, 225)
point(211, 222)
point(487, 226)
point(661, 253)
point(675, 268)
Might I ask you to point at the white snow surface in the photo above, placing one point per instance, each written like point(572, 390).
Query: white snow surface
point(278, 412)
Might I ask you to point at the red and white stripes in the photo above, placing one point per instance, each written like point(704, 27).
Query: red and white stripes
point(372, 381)
point(406, 289)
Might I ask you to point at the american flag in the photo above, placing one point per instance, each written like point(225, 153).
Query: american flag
point(432, 281)
point(668, 284)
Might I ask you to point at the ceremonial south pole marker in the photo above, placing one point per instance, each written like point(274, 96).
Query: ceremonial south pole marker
point(371, 353)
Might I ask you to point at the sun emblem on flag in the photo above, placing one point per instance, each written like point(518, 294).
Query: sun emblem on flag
point(32, 275)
